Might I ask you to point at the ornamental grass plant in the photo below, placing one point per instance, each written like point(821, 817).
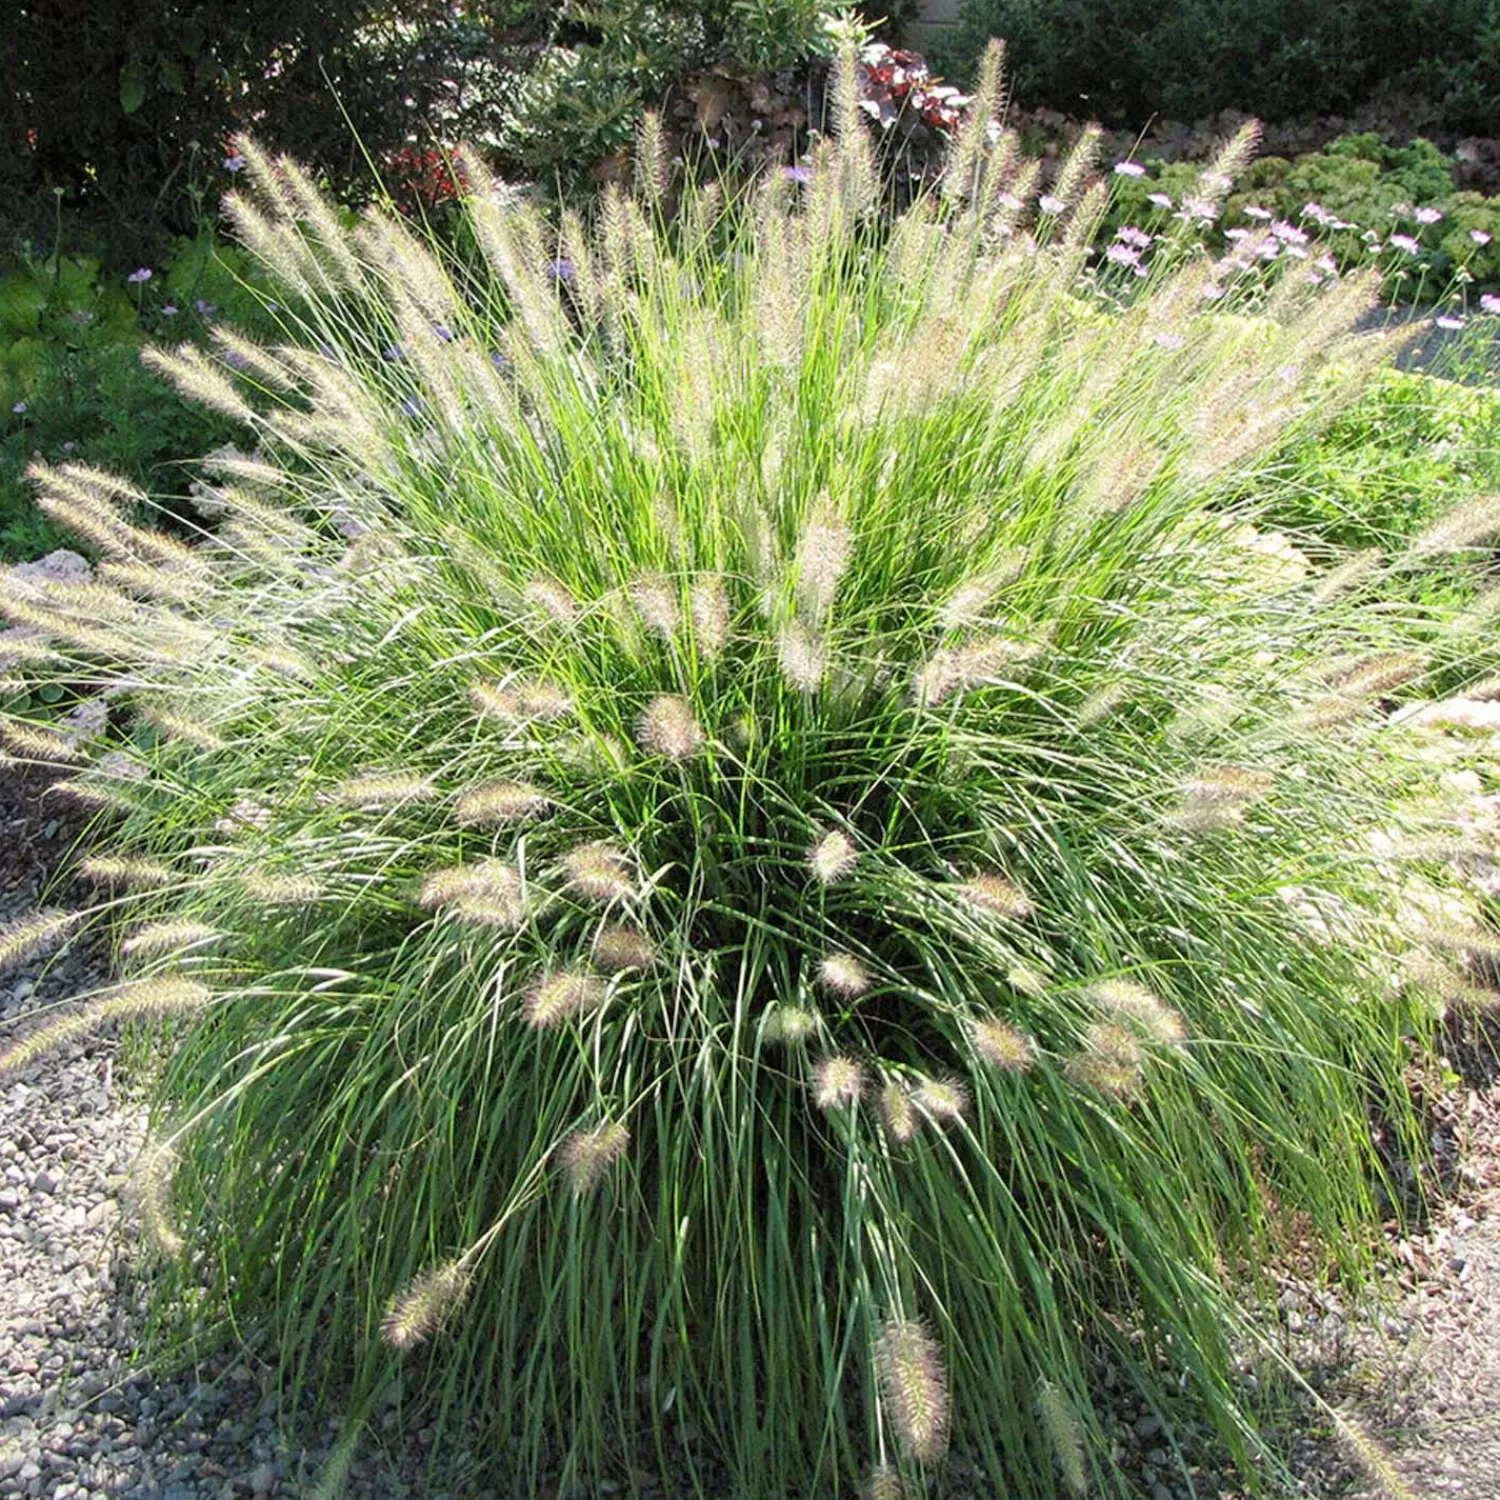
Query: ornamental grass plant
point(741, 860)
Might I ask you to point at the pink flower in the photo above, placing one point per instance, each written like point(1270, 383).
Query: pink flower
point(136, 277)
point(1427, 215)
point(1405, 242)
point(234, 163)
point(1050, 204)
point(1129, 169)
point(1123, 255)
point(1490, 303)
point(1161, 200)
point(1130, 235)
point(169, 310)
point(1480, 236)
point(1255, 211)
point(1449, 322)
point(1317, 213)
point(1288, 234)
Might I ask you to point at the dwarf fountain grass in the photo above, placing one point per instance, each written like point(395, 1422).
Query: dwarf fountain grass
point(737, 810)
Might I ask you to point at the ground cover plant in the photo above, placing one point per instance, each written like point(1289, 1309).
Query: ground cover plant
point(743, 860)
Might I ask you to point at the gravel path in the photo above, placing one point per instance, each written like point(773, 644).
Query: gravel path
point(78, 1420)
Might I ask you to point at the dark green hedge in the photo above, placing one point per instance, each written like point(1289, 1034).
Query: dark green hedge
point(1126, 60)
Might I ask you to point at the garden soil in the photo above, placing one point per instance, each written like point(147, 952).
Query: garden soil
point(1401, 1399)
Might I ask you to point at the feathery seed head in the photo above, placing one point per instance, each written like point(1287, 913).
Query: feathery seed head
point(421, 1309)
point(937, 679)
point(382, 791)
point(598, 871)
point(832, 857)
point(560, 994)
point(1228, 785)
point(160, 995)
point(1466, 525)
point(708, 603)
point(896, 1112)
point(618, 948)
point(30, 742)
point(1133, 1003)
point(144, 874)
point(276, 888)
point(32, 934)
point(487, 893)
point(669, 728)
point(1002, 1046)
point(844, 975)
point(499, 802)
point(655, 602)
point(1376, 675)
point(970, 602)
point(801, 655)
point(822, 559)
point(587, 1154)
point(153, 1191)
point(1110, 1062)
point(914, 1386)
point(944, 1100)
point(996, 895)
point(1064, 1433)
point(837, 1083)
point(884, 1483)
point(552, 599)
point(179, 727)
point(515, 703)
point(789, 1024)
point(157, 938)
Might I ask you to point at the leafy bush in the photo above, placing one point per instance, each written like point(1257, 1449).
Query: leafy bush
point(1279, 59)
point(748, 866)
point(71, 381)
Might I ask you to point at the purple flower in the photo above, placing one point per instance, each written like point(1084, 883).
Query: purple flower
point(204, 309)
point(1161, 200)
point(1405, 242)
point(137, 277)
point(1170, 340)
point(19, 408)
point(1490, 303)
point(560, 269)
point(796, 174)
point(392, 354)
point(1123, 255)
point(1427, 215)
point(1129, 169)
point(169, 309)
point(412, 407)
point(1255, 211)
point(1480, 236)
point(499, 361)
point(713, 143)
point(1049, 203)
point(234, 163)
point(1317, 213)
point(1288, 234)
point(442, 331)
point(1236, 234)
point(1447, 322)
point(1130, 235)
point(235, 360)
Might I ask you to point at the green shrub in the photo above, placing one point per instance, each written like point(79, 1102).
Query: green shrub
point(1278, 59)
point(748, 867)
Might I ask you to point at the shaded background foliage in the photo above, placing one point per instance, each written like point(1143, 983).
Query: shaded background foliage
point(1129, 60)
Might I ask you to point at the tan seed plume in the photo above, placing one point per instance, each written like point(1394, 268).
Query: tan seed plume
point(417, 1313)
point(561, 994)
point(914, 1387)
point(498, 803)
point(587, 1154)
point(29, 935)
point(832, 857)
point(669, 728)
point(599, 872)
point(837, 1083)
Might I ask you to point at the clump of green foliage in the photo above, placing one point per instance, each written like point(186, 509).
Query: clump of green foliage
point(1278, 59)
point(747, 862)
